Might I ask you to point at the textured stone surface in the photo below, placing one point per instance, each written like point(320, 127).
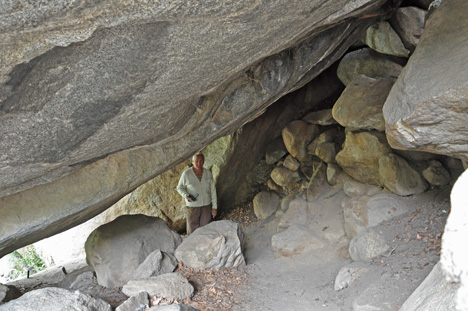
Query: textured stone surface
point(284, 176)
point(55, 299)
point(366, 245)
point(8, 292)
point(434, 293)
point(137, 302)
point(291, 163)
point(369, 63)
point(155, 264)
point(408, 22)
point(265, 204)
point(366, 211)
point(454, 257)
point(360, 155)
point(98, 98)
point(360, 105)
point(294, 241)
point(399, 177)
point(116, 249)
point(426, 109)
point(322, 117)
point(327, 152)
point(382, 38)
point(173, 307)
point(296, 214)
point(169, 285)
point(296, 136)
point(348, 274)
point(436, 174)
point(216, 245)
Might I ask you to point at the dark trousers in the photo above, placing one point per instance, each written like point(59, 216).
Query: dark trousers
point(198, 217)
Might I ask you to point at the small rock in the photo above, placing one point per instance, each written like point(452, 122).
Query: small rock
point(408, 23)
point(348, 274)
point(322, 117)
point(284, 176)
point(265, 204)
point(382, 38)
point(155, 264)
point(366, 245)
point(436, 174)
point(169, 286)
point(275, 151)
point(360, 155)
point(135, 303)
point(173, 307)
point(399, 177)
point(369, 63)
point(291, 163)
point(296, 136)
point(327, 152)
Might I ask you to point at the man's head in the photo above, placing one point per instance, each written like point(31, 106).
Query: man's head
point(198, 160)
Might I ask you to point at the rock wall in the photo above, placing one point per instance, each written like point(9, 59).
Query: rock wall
point(96, 99)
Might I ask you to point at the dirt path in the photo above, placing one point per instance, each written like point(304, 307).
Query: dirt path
point(307, 282)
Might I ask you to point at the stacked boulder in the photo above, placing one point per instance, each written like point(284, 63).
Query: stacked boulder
point(346, 146)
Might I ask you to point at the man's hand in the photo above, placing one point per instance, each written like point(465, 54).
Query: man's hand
point(214, 212)
point(189, 199)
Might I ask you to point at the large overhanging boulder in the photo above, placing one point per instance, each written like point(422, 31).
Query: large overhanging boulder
point(96, 99)
point(427, 108)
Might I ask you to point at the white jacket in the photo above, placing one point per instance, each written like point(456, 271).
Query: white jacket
point(206, 190)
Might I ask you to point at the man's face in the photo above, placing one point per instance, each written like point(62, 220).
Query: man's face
point(198, 162)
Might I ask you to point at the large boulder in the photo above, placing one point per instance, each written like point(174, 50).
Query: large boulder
point(216, 245)
point(98, 98)
point(116, 249)
point(360, 105)
point(454, 257)
point(55, 299)
point(426, 108)
point(360, 155)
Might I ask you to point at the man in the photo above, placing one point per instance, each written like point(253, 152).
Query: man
point(196, 185)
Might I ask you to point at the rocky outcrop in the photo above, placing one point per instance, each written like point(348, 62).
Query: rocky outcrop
point(55, 299)
point(116, 249)
point(98, 99)
point(426, 108)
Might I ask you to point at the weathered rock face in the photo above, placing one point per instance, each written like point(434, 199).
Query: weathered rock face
point(115, 250)
point(96, 99)
point(427, 107)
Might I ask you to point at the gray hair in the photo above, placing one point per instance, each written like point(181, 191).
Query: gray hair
point(198, 154)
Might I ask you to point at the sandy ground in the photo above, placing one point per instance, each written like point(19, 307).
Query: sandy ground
point(307, 282)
